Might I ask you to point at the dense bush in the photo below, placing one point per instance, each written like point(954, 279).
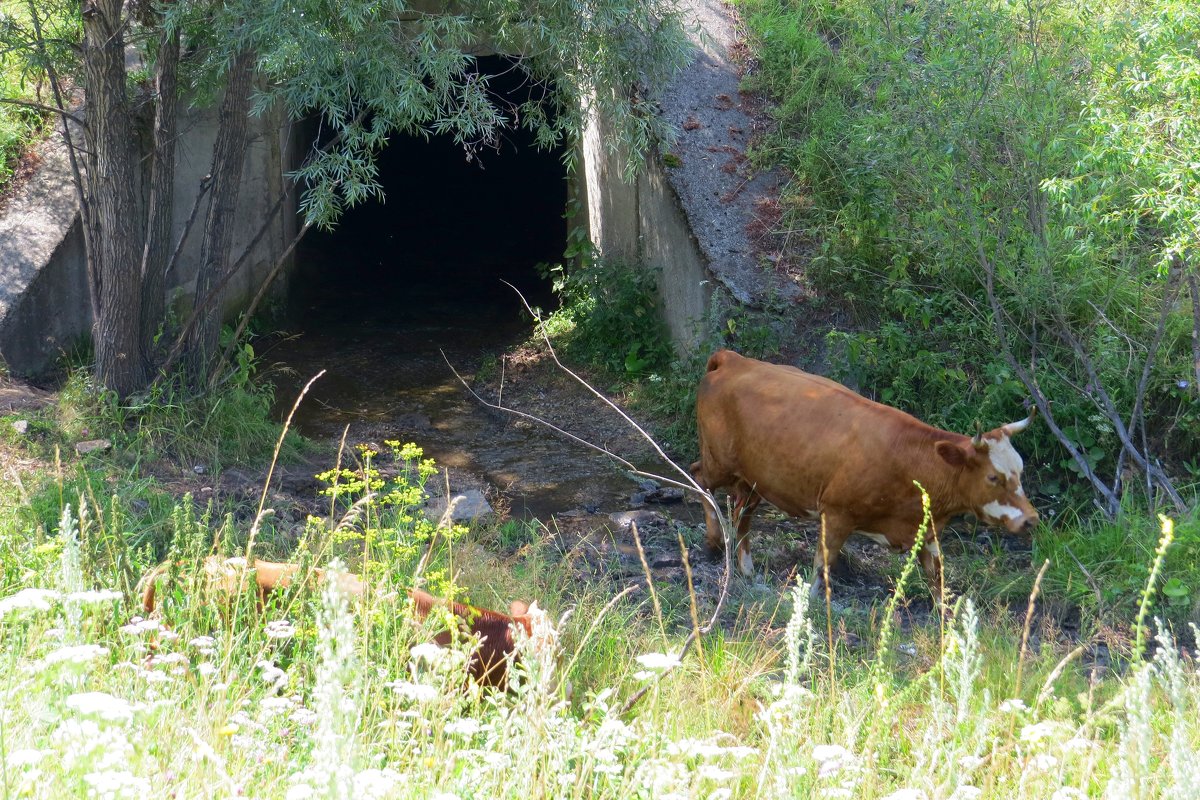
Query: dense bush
point(1038, 147)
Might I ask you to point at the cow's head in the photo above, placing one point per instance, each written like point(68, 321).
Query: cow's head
point(990, 480)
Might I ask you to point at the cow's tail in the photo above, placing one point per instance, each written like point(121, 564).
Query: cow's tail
point(717, 359)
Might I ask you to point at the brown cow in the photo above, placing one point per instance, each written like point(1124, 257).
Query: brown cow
point(814, 448)
point(488, 664)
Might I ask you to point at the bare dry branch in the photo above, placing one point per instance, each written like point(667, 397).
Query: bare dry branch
point(1194, 291)
point(687, 483)
point(1104, 403)
point(1111, 501)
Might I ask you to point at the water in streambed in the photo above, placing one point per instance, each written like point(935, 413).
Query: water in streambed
point(401, 280)
point(386, 378)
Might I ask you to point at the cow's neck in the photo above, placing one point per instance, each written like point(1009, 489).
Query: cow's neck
point(939, 479)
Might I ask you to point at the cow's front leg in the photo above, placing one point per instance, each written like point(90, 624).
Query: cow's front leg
point(931, 565)
point(835, 530)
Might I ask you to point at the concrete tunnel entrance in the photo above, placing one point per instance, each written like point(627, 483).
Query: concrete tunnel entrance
point(449, 227)
point(377, 300)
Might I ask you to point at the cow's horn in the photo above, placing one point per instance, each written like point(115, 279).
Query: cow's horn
point(1017, 427)
point(977, 439)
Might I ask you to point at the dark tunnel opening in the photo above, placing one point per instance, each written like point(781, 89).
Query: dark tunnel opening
point(451, 229)
point(377, 300)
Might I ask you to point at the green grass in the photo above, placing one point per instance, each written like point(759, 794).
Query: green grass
point(20, 126)
point(206, 701)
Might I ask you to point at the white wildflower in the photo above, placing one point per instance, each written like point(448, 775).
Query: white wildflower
point(84, 741)
point(25, 757)
point(371, 784)
point(1077, 744)
point(724, 793)
point(101, 705)
point(644, 675)
point(115, 784)
point(417, 692)
point(658, 662)
point(1068, 793)
point(969, 762)
point(464, 727)
point(837, 793)
point(444, 796)
point(714, 773)
point(300, 791)
point(206, 669)
point(272, 675)
point(93, 597)
point(275, 706)
point(831, 759)
point(428, 652)
point(167, 635)
point(303, 716)
point(907, 794)
point(28, 600)
point(139, 626)
point(1039, 731)
point(75, 654)
point(1013, 705)
point(168, 659)
point(205, 644)
point(1043, 762)
point(967, 792)
point(280, 629)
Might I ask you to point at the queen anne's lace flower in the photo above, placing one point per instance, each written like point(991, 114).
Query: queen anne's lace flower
point(27, 600)
point(101, 705)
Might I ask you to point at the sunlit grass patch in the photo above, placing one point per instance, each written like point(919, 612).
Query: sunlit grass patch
point(313, 695)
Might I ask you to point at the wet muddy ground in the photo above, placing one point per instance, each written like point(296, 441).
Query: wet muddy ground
point(583, 500)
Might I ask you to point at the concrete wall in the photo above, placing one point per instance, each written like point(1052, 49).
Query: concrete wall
point(44, 302)
point(643, 222)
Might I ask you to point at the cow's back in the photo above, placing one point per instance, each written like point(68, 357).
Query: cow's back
point(799, 439)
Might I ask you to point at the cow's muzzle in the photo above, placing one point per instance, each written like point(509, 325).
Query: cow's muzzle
point(1023, 524)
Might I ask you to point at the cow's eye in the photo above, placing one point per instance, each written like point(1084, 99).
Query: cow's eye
point(993, 478)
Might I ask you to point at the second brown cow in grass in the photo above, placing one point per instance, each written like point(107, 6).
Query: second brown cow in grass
point(488, 664)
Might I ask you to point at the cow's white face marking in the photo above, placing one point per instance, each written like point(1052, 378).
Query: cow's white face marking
point(997, 510)
point(1007, 461)
point(745, 563)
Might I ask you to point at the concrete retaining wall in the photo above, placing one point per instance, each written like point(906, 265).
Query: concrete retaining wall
point(642, 222)
point(688, 221)
point(45, 307)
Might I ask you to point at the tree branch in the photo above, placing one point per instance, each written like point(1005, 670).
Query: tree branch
point(688, 483)
point(1111, 501)
point(62, 112)
point(1194, 291)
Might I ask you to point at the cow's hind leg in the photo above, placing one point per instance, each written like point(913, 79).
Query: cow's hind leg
point(746, 500)
point(714, 539)
point(835, 530)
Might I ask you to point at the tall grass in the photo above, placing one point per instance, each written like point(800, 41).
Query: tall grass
point(312, 696)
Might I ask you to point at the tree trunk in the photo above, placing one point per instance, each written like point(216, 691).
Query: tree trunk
point(229, 155)
point(160, 208)
point(116, 225)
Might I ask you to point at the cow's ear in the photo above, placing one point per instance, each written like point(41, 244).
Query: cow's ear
point(951, 453)
point(517, 607)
